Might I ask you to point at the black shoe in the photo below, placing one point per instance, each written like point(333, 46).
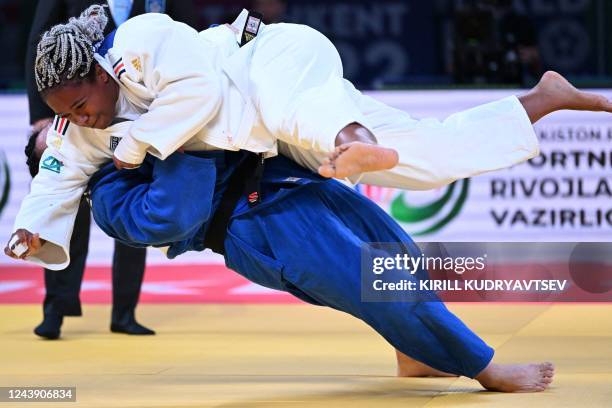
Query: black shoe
point(132, 327)
point(50, 326)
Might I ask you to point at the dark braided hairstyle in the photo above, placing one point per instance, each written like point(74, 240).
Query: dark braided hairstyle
point(66, 51)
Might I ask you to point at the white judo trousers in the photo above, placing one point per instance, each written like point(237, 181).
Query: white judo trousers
point(302, 98)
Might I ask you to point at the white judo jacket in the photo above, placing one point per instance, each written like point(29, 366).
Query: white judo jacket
point(184, 88)
point(203, 91)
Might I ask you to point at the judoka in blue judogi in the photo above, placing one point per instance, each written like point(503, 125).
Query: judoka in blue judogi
point(305, 237)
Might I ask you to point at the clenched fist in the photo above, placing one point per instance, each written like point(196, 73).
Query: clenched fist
point(25, 237)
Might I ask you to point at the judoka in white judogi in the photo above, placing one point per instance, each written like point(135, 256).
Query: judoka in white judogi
point(282, 91)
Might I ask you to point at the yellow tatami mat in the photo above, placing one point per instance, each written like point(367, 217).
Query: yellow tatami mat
point(294, 356)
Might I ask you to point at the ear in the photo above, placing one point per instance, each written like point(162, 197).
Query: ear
point(101, 74)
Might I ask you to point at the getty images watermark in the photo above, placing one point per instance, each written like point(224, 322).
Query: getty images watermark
point(484, 272)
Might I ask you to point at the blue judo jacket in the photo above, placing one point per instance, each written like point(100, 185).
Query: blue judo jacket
point(171, 202)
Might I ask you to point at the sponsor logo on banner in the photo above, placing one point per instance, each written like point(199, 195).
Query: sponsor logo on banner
point(433, 215)
point(567, 187)
point(421, 213)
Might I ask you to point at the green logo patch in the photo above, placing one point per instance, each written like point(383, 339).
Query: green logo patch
point(52, 164)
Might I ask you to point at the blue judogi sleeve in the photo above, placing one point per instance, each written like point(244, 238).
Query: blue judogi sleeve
point(160, 203)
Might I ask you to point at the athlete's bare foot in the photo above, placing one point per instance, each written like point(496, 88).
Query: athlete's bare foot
point(355, 158)
point(517, 378)
point(408, 367)
point(554, 93)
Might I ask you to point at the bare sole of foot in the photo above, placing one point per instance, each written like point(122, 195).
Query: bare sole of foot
point(517, 378)
point(355, 158)
point(408, 367)
point(554, 93)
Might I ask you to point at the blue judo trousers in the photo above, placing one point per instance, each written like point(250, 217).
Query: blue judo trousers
point(305, 238)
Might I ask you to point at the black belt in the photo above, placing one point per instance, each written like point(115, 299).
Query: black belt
point(246, 180)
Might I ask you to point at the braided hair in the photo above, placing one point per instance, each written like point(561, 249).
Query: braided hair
point(66, 51)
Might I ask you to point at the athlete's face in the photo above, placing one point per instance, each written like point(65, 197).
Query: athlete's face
point(87, 103)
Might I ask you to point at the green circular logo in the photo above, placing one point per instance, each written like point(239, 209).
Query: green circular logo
point(432, 216)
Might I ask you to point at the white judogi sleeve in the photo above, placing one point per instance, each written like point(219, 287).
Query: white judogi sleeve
point(73, 154)
point(166, 62)
point(52, 204)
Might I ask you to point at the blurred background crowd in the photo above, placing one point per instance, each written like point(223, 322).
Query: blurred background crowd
point(410, 43)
